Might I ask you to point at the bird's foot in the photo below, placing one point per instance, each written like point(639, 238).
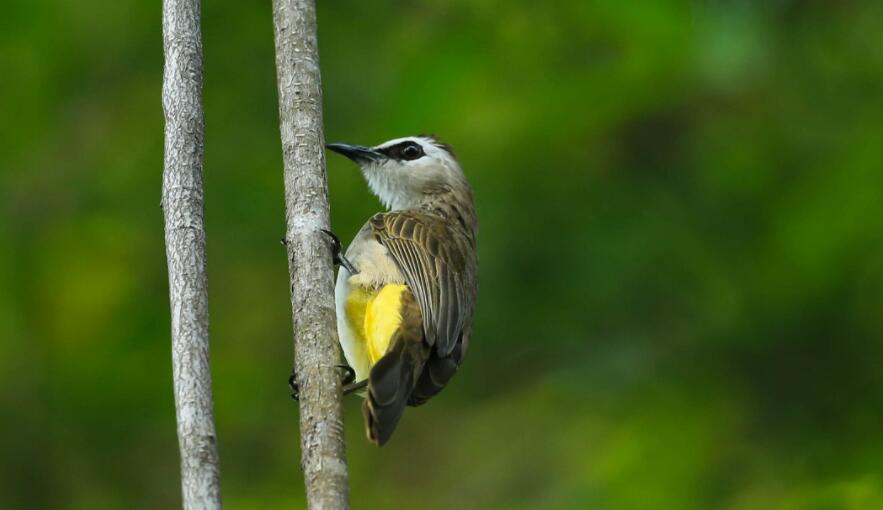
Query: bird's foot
point(346, 381)
point(349, 374)
point(292, 385)
point(354, 386)
point(337, 254)
point(349, 380)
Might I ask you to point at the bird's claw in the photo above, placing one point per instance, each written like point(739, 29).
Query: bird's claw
point(337, 254)
point(354, 386)
point(346, 381)
point(349, 376)
point(292, 384)
point(335, 241)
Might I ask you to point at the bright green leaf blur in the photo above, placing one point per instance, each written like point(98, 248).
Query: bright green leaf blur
point(681, 241)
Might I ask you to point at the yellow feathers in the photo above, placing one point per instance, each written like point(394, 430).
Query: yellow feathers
point(375, 316)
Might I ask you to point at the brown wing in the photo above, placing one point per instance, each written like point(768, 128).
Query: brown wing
point(441, 269)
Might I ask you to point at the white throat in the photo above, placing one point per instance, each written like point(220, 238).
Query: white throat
point(393, 193)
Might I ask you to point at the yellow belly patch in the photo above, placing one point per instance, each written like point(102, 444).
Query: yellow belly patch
point(375, 316)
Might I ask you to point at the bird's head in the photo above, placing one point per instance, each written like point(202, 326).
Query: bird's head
point(404, 172)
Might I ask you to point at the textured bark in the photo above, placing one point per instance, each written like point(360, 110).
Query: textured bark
point(182, 200)
point(323, 456)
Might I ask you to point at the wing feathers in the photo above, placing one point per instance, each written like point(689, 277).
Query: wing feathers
point(440, 267)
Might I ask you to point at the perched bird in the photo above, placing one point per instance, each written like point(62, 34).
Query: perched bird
point(408, 282)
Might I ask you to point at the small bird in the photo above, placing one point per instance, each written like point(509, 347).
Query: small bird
point(408, 282)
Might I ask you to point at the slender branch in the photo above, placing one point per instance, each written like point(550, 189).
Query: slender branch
point(323, 454)
point(182, 200)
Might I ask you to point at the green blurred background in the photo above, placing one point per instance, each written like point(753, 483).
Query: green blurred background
point(681, 246)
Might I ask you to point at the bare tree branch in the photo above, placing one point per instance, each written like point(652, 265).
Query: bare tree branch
point(323, 454)
point(182, 200)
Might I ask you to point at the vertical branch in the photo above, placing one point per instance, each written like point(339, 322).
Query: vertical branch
point(182, 200)
point(323, 456)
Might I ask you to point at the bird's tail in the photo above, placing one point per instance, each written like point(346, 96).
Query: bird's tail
point(393, 377)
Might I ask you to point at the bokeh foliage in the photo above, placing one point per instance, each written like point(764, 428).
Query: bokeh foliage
point(681, 245)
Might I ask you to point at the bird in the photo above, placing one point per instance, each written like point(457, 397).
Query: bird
point(408, 283)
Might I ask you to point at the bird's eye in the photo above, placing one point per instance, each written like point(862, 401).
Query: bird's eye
point(412, 151)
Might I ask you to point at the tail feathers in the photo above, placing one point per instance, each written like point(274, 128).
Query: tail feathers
point(389, 385)
point(436, 374)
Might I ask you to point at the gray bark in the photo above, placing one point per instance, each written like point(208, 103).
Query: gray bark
point(323, 455)
point(182, 199)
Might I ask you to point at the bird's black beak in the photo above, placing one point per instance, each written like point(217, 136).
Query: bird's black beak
point(356, 153)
